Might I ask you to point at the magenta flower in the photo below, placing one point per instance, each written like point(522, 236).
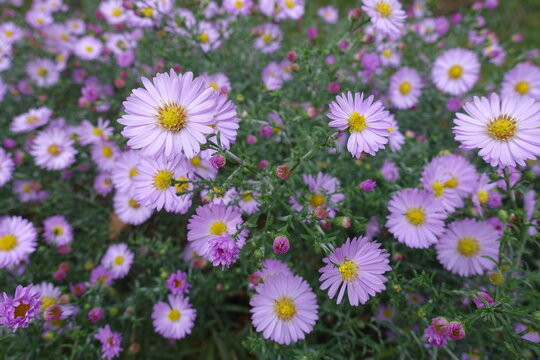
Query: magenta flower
point(17, 311)
point(177, 283)
point(281, 245)
point(356, 267)
point(223, 251)
point(368, 185)
point(111, 342)
point(95, 315)
point(435, 333)
point(454, 330)
point(173, 319)
point(479, 303)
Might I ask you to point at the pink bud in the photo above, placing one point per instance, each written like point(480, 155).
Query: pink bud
point(281, 245)
point(283, 172)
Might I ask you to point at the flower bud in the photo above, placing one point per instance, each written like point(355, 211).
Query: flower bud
point(218, 161)
point(283, 172)
point(496, 278)
point(95, 315)
point(281, 245)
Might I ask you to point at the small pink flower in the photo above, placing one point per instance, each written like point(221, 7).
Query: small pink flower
point(218, 161)
point(281, 245)
point(484, 296)
point(454, 330)
point(283, 172)
point(368, 185)
point(95, 315)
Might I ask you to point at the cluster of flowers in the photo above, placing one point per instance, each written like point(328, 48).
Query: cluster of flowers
point(179, 129)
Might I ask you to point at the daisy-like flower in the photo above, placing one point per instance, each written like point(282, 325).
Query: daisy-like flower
point(396, 139)
point(214, 220)
point(272, 76)
point(103, 183)
point(456, 71)
point(173, 319)
point(226, 122)
point(125, 170)
point(118, 259)
point(17, 240)
point(6, 167)
point(88, 48)
point(31, 120)
point(290, 9)
point(223, 251)
point(105, 154)
point(111, 342)
point(435, 333)
point(177, 283)
point(329, 14)
point(366, 121)
point(3, 90)
point(463, 248)
point(462, 175)
point(482, 192)
point(53, 149)
point(10, 32)
point(386, 15)
point(522, 80)
point(434, 178)
point(207, 37)
point(100, 276)
point(218, 81)
point(57, 230)
point(415, 218)
point(17, 311)
point(247, 201)
point(389, 54)
point(169, 116)
point(405, 88)
point(113, 10)
point(269, 38)
point(94, 134)
point(385, 313)
point(129, 210)
point(270, 267)
point(356, 267)
point(43, 72)
point(506, 131)
point(200, 166)
point(154, 187)
point(324, 191)
point(48, 294)
point(284, 309)
point(238, 7)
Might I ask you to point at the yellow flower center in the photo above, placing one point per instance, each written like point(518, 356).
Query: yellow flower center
point(415, 216)
point(317, 200)
point(174, 315)
point(182, 188)
point(522, 87)
point(455, 72)
point(132, 172)
point(27, 189)
point(247, 196)
point(107, 151)
point(239, 4)
point(53, 150)
point(218, 228)
point(502, 129)
point(21, 310)
point(438, 189)
point(119, 260)
point(204, 38)
point(267, 38)
point(172, 117)
point(116, 12)
point(214, 86)
point(195, 161)
point(483, 196)
point(284, 308)
point(42, 72)
point(289, 4)
point(89, 49)
point(348, 270)
point(405, 88)
point(387, 313)
point(31, 119)
point(133, 204)
point(383, 8)
point(357, 122)
point(47, 301)
point(58, 230)
point(163, 179)
point(97, 131)
point(8, 33)
point(177, 283)
point(452, 183)
point(147, 12)
point(8, 242)
point(468, 246)
point(64, 36)
point(387, 53)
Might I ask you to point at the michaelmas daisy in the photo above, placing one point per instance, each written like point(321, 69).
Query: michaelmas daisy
point(53, 149)
point(170, 115)
point(386, 15)
point(173, 319)
point(284, 309)
point(356, 267)
point(366, 121)
point(456, 71)
point(129, 210)
point(118, 260)
point(506, 131)
point(17, 240)
point(467, 245)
